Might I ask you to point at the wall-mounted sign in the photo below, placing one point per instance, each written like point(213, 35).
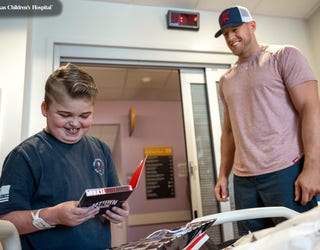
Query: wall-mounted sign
point(159, 173)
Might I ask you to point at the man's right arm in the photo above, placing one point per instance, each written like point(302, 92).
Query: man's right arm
point(227, 156)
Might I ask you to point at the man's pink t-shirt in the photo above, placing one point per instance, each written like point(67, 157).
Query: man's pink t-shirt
point(265, 125)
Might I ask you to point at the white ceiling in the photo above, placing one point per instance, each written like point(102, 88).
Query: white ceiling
point(163, 85)
point(135, 83)
point(280, 8)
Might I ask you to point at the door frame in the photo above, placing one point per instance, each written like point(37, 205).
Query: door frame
point(138, 56)
point(187, 77)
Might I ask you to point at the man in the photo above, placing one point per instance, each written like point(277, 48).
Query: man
point(271, 129)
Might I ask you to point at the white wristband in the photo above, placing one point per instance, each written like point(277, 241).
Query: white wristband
point(39, 222)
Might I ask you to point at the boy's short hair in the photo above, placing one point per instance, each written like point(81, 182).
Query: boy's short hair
point(69, 81)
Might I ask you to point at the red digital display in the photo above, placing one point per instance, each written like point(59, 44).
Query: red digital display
point(185, 20)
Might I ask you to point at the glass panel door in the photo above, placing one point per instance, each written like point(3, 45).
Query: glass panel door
point(202, 132)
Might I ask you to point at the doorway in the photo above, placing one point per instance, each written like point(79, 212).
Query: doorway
point(163, 121)
point(161, 199)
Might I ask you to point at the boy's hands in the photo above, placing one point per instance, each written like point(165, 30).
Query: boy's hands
point(116, 214)
point(67, 213)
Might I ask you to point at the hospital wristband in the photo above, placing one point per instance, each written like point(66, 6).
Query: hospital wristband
point(39, 222)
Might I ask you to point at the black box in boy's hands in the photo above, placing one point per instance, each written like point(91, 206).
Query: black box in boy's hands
point(107, 197)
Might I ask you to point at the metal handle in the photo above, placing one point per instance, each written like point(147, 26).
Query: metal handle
point(192, 168)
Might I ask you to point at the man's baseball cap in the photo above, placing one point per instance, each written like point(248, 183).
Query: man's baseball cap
point(234, 16)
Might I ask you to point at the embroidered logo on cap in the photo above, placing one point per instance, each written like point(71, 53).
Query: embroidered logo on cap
point(224, 17)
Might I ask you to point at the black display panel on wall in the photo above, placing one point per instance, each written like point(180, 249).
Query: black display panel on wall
point(183, 20)
point(159, 177)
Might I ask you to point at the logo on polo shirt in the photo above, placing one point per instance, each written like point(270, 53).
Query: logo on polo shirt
point(98, 166)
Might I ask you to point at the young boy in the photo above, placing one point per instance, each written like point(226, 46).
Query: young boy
point(43, 178)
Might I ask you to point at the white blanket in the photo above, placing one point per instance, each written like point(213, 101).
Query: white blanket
point(301, 232)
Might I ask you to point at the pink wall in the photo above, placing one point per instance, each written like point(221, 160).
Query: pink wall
point(156, 124)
